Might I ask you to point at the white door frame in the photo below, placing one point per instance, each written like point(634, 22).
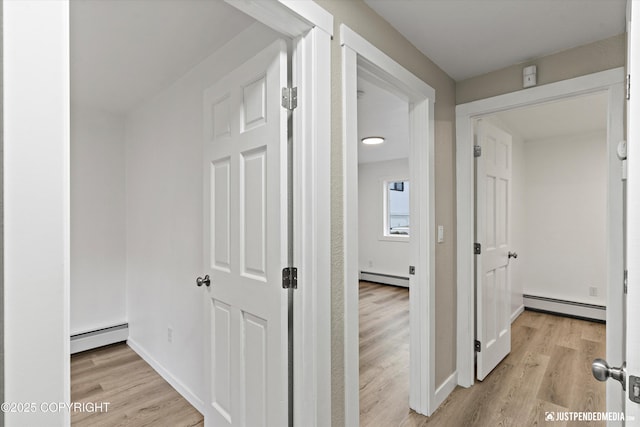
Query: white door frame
point(311, 29)
point(610, 81)
point(358, 55)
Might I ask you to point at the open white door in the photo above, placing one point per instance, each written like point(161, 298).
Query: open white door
point(632, 407)
point(493, 289)
point(246, 244)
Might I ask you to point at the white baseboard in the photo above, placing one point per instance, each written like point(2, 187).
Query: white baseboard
point(517, 313)
point(445, 389)
point(387, 279)
point(93, 339)
point(164, 373)
point(568, 308)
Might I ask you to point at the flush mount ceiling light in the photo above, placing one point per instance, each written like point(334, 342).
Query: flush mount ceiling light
point(373, 140)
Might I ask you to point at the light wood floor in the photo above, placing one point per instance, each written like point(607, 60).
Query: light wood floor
point(548, 369)
point(138, 396)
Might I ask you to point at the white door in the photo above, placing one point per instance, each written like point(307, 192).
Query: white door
point(246, 243)
point(632, 409)
point(493, 290)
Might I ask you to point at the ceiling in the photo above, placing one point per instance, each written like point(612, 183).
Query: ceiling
point(467, 38)
point(381, 113)
point(123, 52)
point(572, 116)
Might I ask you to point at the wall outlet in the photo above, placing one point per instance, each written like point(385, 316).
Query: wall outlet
point(169, 335)
point(593, 291)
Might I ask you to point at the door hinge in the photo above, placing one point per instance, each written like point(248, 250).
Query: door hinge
point(477, 346)
point(628, 88)
point(289, 278)
point(477, 151)
point(290, 97)
point(625, 281)
point(477, 248)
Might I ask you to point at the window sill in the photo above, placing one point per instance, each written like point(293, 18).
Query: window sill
point(394, 238)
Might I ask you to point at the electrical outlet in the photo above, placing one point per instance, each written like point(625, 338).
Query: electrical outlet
point(169, 335)
point(593, 291)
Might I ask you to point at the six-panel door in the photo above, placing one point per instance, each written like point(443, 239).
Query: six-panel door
point(245, 213)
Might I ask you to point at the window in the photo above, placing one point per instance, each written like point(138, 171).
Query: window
point(396, 209)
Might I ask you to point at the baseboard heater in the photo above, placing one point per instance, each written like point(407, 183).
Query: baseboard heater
point(100, 337)
point(566, 308)
point(387, 279)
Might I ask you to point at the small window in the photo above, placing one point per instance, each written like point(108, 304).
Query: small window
point(396, 209)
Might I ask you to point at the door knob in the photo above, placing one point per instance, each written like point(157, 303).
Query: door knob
point(206, 281)
point(602, 372)
point(512, 254)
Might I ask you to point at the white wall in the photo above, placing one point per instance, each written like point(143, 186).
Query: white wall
point(97, 220)
point(376, 255)
point(566, 188)
point(36, 208)
point(164, 218)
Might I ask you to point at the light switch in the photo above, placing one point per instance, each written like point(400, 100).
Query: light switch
point(440, 233)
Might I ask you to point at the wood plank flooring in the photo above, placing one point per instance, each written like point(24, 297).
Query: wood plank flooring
point(548, 369)
point(138, 396)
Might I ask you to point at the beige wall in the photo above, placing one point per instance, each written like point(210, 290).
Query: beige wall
point(590, 58)
point(360, 18)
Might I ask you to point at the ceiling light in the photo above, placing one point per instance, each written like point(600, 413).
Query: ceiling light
point(373, 140)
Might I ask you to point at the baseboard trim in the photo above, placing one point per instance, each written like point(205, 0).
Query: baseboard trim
point(385, 279)
point(517, 313)
point(98, 338)
point(164, 373)
point(445, 389)
point(566, 308)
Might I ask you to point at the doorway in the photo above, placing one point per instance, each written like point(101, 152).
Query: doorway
point(555, 207)
point(609, 83)
point(362, 60)
point(164, 306)
point(384, 234)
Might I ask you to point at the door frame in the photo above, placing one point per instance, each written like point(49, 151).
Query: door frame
point(360, 56)
point(311, 29)
point(610, 81)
